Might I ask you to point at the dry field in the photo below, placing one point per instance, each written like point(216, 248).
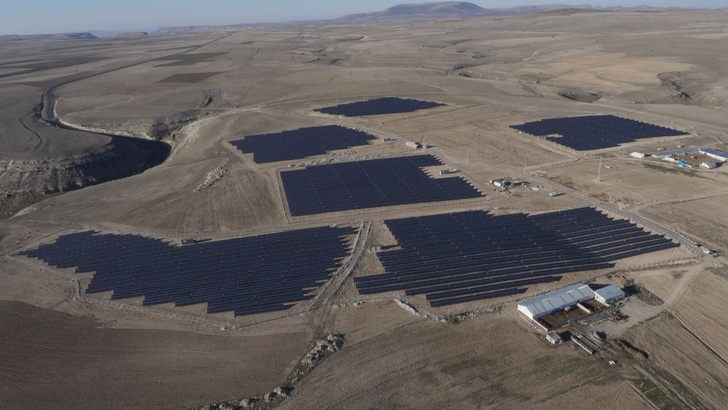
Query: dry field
point(197, 92)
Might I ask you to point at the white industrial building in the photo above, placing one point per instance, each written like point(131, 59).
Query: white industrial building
point(714, 153)
point(609, 294)
point(555, 301)
point(568, 297)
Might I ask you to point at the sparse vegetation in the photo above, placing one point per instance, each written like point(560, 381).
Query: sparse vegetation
point(671, 169)
point(668, 393)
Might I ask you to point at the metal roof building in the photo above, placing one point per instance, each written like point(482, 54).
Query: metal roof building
point(609, 294)
point(714, 153)
point(555, 301)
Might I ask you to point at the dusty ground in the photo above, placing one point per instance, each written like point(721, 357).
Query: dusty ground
point(69, 353)
point(378, 372)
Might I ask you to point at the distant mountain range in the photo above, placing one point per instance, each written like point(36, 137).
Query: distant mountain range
point(464, 10)
point(447, 10)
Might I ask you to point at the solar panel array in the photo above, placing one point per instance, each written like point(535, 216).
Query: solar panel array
point(367, 184)
point(462, 257)
point(258, 274)
point(378, 106)
point(300, 143)
point(594, 131)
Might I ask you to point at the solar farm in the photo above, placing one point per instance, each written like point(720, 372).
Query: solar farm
point(379, 106)
point(593, 132)
point(213, 217)
point(368, 184)
point(300, 143)
point(259, 274)
point(470, 256)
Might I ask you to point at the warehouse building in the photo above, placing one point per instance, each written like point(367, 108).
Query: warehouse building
point(555, 301)
point(556, 308)
point(714, 153)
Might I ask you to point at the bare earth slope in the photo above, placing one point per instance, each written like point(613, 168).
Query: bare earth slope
point(57, 360)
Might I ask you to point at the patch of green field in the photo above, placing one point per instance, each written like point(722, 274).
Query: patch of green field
point(671, 169)
point(669, 394)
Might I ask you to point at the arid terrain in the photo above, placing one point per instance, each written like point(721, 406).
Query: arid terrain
point(131, 135)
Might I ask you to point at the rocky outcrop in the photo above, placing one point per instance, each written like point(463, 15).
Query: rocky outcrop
point(322, 349)
point(24, 182)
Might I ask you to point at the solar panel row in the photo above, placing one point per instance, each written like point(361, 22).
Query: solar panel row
point(367, 184)
point(594, 131)
point(300, 143)
point(378, 106)
point(468, 256)
point(245, 275)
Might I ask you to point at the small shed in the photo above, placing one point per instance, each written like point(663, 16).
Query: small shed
point(609, 294)
point(637, 155)
point(500, 183)
point(554, 339)
point(709, 164)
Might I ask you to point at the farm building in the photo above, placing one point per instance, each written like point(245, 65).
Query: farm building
point(665, 154)
point(714, 153)
point(500, 183)
point(709, 164)
point(609, 294)
point(637, 155)
point(555, 301)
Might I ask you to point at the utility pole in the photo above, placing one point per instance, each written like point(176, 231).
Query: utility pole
point(599, 173)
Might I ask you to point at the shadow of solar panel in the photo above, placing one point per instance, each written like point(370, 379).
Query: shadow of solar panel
point(245, 275)
point(368, 184)
point(378, 106)
point(594, 131)
point(300, 143)
point(467, 256)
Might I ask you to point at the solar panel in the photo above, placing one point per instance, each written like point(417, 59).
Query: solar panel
point(378, 106)
point(300, 143)
point(467, 256)
point(245, 275)
point(368, 184)
point(594, 131)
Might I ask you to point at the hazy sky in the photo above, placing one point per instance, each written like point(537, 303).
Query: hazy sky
point(54, 16)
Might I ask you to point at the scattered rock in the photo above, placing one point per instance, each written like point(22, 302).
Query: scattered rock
point(213, 176)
